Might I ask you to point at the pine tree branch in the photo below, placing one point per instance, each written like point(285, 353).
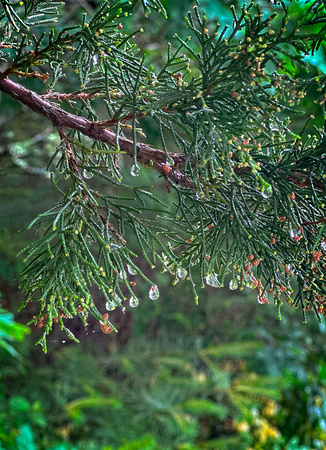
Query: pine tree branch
point(98, 130)
point(94, 129)
point(74, 166)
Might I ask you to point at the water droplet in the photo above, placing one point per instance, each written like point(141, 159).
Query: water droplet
point(262, 299)
point(212, 280)
point(133, 302)
point(114, 248)
point(109, 306)
point(131, 270)
point(323, 246)
point(154, 293)
point(122, 274)
point(87, 174)
point(233, 285)
point(293, 234)
point(135, 171)
point(181, 273)
point(267, 192)
point(95, 60)
point(175, 281)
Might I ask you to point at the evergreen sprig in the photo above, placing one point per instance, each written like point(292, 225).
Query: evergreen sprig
point(250, 191)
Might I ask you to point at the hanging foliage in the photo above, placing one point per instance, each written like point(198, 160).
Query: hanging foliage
point(250, 192)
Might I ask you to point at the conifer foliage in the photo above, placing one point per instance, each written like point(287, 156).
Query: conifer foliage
point(250, 191)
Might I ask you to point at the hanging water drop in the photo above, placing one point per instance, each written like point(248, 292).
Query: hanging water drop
point(323, 246)
point(267, 192)
point(181, 273)
point(122, 275)
point(154, 293)
point(175, 281)
point(116, 299)
point(87, 174)
point(135, 171)
point(131, 270)
point(133, 302)
point(212, 280)
point(233, 285)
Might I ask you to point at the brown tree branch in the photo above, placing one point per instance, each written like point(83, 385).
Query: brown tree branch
point(315, 222)
point(94, 129)
point(98, 130)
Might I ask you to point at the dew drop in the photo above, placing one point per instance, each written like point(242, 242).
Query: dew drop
point(117, 300)
point(233, 285)
point(293, 234)
point(122, 275)
point(154, 293)
point(135, 171)
point(87, 174)
point(266, 193)
point(109, 306)
point(212, 280)
point(114, 248)
point(133, 302)
point(131, 270)
point(181, 273)
point(175, 281)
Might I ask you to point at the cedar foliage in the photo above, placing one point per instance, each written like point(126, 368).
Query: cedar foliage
point(250, 192)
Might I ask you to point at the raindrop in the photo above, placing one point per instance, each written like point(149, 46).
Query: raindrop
point(212, 280)
point(181, 273)
point(293, 234)
point(87, 174)
point(175, 281)
point(135, 171)
point(114, 248)
point(109, 306)
point(266, 193)
point(133, 302)
point(233, 285)
point(154, 293)
point(122, 275)
point(131, 270)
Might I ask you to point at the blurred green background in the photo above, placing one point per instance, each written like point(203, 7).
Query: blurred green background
point(226, 374)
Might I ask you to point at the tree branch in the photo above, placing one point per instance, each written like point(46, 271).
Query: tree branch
point(94, 129)
point(97, 130)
